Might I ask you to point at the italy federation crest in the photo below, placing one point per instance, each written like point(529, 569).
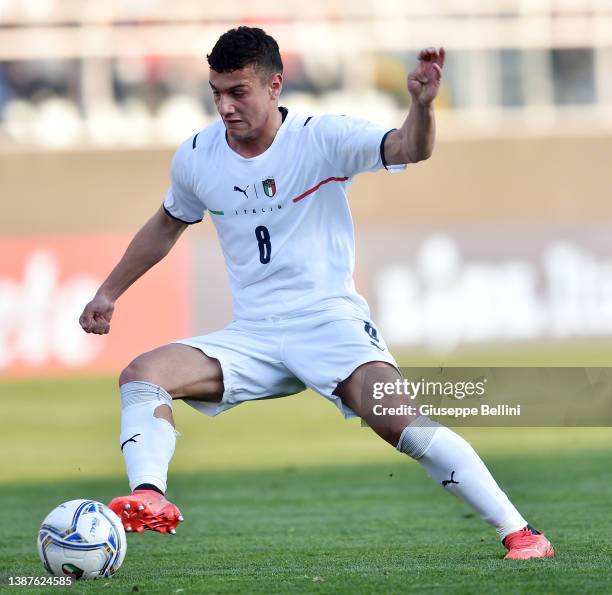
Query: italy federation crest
point(269, 186)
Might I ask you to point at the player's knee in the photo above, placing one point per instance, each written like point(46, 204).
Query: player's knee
point(390, 432)
point(137, 370)
point(393, 434)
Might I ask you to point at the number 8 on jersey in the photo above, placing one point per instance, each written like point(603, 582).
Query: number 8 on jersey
point(265, 245)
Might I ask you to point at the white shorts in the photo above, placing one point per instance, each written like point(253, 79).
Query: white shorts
point(274, 359)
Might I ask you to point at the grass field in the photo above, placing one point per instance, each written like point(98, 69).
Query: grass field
point(284, 497)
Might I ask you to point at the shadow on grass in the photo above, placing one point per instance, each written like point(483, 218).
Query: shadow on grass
point(371, 528)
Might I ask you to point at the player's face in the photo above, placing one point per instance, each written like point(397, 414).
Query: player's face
point(245, 99)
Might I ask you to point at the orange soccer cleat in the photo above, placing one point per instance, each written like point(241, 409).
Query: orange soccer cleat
point(527, 543)
point(146, 509)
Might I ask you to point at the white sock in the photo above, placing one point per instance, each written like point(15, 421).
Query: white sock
point(453, 463)
point(147, 442)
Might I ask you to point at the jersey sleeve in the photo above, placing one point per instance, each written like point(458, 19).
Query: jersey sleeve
point(181, 202)
point(353, 145)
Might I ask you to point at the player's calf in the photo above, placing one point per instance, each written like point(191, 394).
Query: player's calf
point(452, 463)
point(148, 438)
point(147, 443)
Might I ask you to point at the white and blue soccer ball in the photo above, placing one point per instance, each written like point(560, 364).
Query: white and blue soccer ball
point(83, 539)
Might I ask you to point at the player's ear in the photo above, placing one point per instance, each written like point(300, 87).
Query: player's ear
point(275, 85)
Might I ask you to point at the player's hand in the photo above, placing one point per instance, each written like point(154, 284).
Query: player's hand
point(97, 315)
point(424, 80)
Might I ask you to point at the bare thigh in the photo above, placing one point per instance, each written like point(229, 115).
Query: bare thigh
point(184, 372)
point(357, 390)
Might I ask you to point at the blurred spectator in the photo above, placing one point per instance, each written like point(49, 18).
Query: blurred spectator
point(108, 99)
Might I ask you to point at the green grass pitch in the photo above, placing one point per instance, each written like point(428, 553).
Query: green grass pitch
point(285, 497)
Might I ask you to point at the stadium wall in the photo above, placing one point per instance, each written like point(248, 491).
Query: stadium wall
point(552, 179)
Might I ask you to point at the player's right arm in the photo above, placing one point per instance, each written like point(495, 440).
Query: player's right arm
point(147, 248)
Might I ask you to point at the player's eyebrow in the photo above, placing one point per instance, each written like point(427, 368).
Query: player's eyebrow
point(239, 85)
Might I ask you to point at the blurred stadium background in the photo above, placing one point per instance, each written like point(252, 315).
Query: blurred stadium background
point(496, 251)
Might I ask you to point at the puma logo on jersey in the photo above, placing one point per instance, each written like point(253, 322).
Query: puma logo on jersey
point(238, 189)
point(129, 440)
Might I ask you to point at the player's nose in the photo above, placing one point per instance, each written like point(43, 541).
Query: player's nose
point(225, 107)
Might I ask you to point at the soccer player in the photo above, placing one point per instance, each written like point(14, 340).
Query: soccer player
point(275, 184)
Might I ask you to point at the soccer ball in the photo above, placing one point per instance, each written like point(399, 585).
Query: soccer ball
point(83, 539)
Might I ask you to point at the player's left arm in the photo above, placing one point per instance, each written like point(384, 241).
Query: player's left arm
point(414, 141)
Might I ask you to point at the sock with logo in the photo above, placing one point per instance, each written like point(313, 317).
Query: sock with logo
point(453, 463)
point(147, 442)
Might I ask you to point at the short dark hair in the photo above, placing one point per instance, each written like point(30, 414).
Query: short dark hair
point(245, 46)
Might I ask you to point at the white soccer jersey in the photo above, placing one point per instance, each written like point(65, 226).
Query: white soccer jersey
point(282, 217)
